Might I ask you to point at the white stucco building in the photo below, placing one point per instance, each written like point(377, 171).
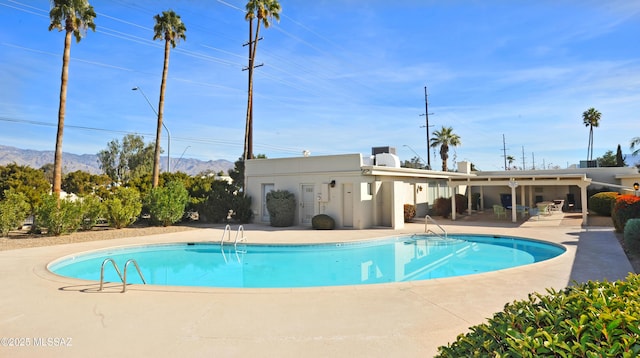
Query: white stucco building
point(363, 192)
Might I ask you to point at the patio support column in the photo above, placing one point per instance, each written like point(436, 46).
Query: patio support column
point(481, 203)
point(514, 212)
point(453, 202)
point(469, 206)
point(583, 199)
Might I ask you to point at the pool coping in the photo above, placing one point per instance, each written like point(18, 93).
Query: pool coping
point(397, 319)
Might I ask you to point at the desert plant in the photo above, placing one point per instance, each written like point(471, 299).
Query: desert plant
point(59, 218)
point(442, 207)
point(626, 207)
point(593, 319)
point(13, 210)
point(166, 203)
point(323, 222)
point(123, 207)
point(632, 234)
point(409, 212)
point(281, 205)
point(92, 210)
point(601, 203)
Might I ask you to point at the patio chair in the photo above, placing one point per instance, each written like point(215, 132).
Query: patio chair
point(499, 211)
point(523, 210)
point(544, 208)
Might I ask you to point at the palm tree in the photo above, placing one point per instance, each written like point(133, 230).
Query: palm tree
point(635, 142)
point(591, 118)
point(169, 28)
point(444, 138)
point(510, 160)
point(74, 17)
point(264, 11)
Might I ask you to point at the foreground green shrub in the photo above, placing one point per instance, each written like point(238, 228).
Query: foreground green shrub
point(626, 207)
point(323, 222)
point(281, 205)
point(13, 210)
point(92, 210)
point(166, 203)
point(241, 206)
point(60, 218)
point(123, 207)
point(601, 203)
point(632, 234)
point(593, 319)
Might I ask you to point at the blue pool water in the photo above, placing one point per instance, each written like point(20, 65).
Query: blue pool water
point(395, 259)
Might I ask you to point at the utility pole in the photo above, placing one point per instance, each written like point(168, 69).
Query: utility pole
point(426, 115)
point(250, 67)
point(504, 151)
point(523, 162)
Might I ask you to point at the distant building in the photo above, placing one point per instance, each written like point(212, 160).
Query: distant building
point(364, 192)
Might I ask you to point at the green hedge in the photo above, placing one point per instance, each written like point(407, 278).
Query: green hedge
point(632, 234)
point(601, 203)
point(593, 319)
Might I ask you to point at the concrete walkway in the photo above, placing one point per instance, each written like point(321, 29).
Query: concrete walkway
point(67, 317)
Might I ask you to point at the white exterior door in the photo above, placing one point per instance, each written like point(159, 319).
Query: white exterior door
point(307, 204)
point(265, 213)
point(347, 205)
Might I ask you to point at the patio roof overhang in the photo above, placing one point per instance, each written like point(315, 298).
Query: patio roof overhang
point(580, 180)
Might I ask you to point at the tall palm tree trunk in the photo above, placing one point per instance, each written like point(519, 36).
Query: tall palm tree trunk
point(57, 161)
point(163, 85)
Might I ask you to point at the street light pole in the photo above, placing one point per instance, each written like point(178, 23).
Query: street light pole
point(165, 127)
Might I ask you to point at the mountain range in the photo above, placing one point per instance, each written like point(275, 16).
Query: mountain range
point(89, 162)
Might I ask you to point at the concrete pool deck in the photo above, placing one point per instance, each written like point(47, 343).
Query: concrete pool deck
point(387, 320)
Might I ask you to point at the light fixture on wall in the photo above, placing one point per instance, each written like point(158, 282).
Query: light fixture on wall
point(332, 184)
point(636, 186)
point(419, 188)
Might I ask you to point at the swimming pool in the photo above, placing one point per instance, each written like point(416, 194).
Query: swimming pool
point(394, 259)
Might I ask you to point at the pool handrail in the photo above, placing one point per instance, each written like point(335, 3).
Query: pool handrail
point(428, 218)
point(122, 278)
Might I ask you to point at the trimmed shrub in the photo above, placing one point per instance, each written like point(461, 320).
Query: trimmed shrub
point(593, 319)
point(632, 234)
point(323, 222)
point(166, 203)
point(626, 207)
point(282, 207)
point(442, 207)
point(13, 210)
point(241, 206)
point(601, 203)
point(409, 212)
point(64, 218)
point(123, 207)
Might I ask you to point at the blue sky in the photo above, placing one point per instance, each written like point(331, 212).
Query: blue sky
point(339, 77)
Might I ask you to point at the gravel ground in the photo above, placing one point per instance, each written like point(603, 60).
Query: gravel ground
point(21, 239)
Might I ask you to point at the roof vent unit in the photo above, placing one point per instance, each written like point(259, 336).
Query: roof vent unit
point(379, 150)
point(387, 160)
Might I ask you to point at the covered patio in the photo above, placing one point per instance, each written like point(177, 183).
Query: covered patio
point(524, 184)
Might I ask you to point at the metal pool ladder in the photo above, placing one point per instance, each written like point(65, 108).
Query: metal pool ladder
point(428, 218)
point(123, 278)
point(239, 235)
